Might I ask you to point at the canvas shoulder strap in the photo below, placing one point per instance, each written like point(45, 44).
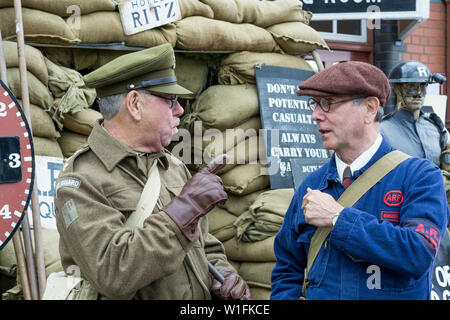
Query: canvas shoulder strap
point(148, 199)
point(353, 193)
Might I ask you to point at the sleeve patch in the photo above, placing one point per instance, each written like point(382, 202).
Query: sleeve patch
point(428, 230)
point(67, 182)
point(69, 212)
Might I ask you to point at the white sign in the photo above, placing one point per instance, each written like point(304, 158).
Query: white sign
point(141, 15)
point(47, 170)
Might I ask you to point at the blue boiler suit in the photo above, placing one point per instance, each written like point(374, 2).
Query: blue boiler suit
point(381, 248)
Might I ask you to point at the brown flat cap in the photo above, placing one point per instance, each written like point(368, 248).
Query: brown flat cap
point(348, 78)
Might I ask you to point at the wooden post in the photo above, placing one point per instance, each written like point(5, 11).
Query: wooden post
point(17, 240)
point(40, 264)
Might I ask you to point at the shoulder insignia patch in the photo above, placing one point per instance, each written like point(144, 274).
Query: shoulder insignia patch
point(67, 182)
point(69, 212)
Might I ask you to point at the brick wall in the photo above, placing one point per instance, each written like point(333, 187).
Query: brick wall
point(426, 43)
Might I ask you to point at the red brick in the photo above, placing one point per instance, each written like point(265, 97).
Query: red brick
point(437, 59)
point(414, 48)
point(406, 56)
point(416, 40)
point(434, 33)
point(437, 15)
point(436, 7)
point(424, 59)
point(436, 42)
point(436, 67)
point(434, 50)
point(437, 24)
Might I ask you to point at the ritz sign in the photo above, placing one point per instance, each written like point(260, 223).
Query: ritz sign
point(366, 9)
point(142, 15)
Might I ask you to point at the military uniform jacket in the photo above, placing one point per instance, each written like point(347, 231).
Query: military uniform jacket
point(93, 200)
point(418, 138)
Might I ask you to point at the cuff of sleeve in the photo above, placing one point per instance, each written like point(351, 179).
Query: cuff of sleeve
point(185, 240)
point(343, 227)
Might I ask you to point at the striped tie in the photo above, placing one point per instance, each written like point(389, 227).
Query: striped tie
point(347, 177)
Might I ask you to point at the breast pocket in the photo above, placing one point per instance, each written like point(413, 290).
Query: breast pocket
point(124, 198)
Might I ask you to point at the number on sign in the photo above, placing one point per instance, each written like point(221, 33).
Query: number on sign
point(5, 212)
point(2, 109)
point(15, 160)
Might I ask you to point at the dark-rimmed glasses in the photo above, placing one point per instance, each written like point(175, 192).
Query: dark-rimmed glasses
point(172, 100)
point(325, 104)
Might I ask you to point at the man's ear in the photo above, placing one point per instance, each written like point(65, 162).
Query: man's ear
point(371, 104)
point(134, 104)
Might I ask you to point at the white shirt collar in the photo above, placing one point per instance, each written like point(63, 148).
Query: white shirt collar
point(359, 162)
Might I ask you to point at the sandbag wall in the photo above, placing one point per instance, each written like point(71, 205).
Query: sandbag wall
point(224, 97)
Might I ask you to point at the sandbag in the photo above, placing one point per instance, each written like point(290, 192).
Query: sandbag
point(39, 26)
point(257, 274)
point(259, 13)
point(50, 244)
point(245, 179)
point(93, 59)
point(260, 293)
point(297, 37)
point(239, 67)
point(99, 27)
point(41, 122)
point(192, 74)
point(37, 91)
point(190, 8)
point(47, 147)
point(8, 263)
point(200, 33)
point(220, 223)
point(245, 152)
point(33, 58)
point(222, 107)
point(265, 216)
point(58, 55)
point(237, 205)
point(63, 8)
point(153, 37)
point(82, 121)
point(260, 251)
point(70, 142)
point(68, 85)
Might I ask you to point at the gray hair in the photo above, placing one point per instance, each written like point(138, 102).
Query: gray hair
point(380, 111)
point(109, 106)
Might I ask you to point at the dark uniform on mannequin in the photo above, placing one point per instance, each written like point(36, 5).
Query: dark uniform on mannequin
point(167, 257)
point(409, 129)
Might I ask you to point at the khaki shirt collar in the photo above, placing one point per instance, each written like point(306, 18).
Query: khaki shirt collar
point(111, 152)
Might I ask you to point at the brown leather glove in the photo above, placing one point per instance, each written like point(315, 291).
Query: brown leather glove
point(199, 195)
point(232, 288)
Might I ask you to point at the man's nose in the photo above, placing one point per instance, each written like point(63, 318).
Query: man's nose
point(318, 114)
point(177, 110)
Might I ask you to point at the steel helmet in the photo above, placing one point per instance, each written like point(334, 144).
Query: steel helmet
point(413, 71)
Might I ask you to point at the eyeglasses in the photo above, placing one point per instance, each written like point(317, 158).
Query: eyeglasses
point(172, 100)
point(325, 104)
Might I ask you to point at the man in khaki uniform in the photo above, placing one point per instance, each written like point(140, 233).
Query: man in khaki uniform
point(100, 185)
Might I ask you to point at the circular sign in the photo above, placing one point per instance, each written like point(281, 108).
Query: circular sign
point(16, 165)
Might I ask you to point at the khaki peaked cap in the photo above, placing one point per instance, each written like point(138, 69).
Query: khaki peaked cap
point(350, 78)
point(152, 69)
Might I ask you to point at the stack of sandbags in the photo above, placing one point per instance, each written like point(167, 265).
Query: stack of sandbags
point(239, 67)
point(71, 109)
point(9, 279)
point(255, 228)
point(41, 98)
point(39, 26)
point(77, 128)
point(265, 216)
